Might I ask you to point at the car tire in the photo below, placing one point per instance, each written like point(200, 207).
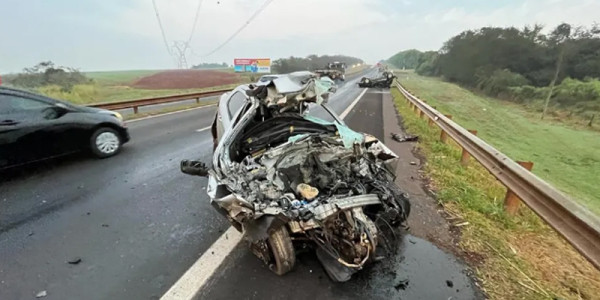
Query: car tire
point(105, 142)
point(282, 251)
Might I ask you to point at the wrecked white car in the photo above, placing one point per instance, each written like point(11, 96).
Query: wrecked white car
point(288, 179)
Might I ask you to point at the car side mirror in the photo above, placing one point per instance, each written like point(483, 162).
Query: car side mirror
point(61, 109)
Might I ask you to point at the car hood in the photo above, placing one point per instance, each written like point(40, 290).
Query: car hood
point(89, 109)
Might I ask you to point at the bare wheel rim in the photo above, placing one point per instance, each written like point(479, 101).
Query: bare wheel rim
point(107, 142)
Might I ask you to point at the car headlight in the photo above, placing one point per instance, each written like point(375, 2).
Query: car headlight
point(118, 116)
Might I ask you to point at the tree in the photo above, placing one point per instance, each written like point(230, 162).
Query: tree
point(559, 38)
point(46, 73)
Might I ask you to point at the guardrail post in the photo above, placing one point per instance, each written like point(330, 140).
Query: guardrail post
point(443, 135)
point(421, 113)
point(135, 109)
point(430, 121)
point(512, 201)
point(198, 100)
point(464, 157)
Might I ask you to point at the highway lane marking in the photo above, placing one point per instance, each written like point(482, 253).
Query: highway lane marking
point(202, 129)
point(351, 106)
point(169, 113)
point(194, 279)
point(200, 272)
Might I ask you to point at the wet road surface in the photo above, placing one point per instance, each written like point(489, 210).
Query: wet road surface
point(137, 223)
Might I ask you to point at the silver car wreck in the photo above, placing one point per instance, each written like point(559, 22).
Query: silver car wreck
point(286, 178)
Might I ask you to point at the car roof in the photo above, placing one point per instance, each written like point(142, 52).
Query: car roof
point(20, 92)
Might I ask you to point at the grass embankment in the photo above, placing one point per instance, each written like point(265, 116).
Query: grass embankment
point(167, 110)
point(514, 257)
point(566, 156)
point(115, 86)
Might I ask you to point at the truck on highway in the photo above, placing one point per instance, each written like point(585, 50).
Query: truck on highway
point(335, 71)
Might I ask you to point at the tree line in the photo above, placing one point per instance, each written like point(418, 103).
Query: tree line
point(210, 66)
point(522, 65)
point(46, 73)
point(311, 62)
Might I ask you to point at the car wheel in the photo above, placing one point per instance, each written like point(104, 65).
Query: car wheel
point(105, 142)
point(282, 251)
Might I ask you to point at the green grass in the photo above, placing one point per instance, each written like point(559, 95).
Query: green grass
point(167, 110)
point(114, 86)
point(500, 248)
point(119, 77)
point(92, 93)
point(567, 157)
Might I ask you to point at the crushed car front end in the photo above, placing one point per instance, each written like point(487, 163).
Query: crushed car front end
point(284, 177)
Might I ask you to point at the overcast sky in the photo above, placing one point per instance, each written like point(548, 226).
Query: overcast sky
point(124, 34)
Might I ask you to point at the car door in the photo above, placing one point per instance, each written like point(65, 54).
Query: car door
point(26, 131)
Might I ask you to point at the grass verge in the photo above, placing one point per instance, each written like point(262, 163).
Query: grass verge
point(167, 110)
point(514, 257)
point(564, 155)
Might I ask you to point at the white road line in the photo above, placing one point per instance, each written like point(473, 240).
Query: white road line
point(196, 276)
point(351, 106)
point(169, 113)
point(200, 272)
point(202, 129)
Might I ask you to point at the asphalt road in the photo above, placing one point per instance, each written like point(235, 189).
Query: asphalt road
point(137, 223)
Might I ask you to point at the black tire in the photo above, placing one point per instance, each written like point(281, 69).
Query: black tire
point(282, 251)
point(112, 146)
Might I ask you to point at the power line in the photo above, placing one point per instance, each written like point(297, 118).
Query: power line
point(195, 22)
point(256, 13)
point(162, 30)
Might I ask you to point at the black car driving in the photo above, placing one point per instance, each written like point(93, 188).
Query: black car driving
point(35, 127)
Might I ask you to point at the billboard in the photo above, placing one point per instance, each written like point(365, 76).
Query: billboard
point(253, 65)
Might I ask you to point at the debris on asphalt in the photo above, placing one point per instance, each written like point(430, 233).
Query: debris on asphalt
point(404, 138)
point(402, 285)
point(461, 224)
point(30, 233)
point(449, 283)
point(413, 163)
point(74, 261)
point(41, 294)
point(104, 225)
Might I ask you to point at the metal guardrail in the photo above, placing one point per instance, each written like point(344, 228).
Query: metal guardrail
point(157, 100)
point(576, 224)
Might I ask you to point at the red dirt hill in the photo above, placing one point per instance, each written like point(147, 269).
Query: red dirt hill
point(185, 79)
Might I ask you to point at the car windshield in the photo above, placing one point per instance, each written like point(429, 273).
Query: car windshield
point(267, 78)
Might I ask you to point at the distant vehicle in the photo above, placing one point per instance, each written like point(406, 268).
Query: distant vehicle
point(384, 81)
point(335, 71)
point(34, 127)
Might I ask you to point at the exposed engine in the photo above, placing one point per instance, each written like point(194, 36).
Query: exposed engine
point(289, 174)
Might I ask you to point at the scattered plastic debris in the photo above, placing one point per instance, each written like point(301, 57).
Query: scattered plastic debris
point(402, 285)
point(404, 138)
point(41, 294)
point(74, 261)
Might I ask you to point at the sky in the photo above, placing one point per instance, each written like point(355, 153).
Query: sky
point(124, 34)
